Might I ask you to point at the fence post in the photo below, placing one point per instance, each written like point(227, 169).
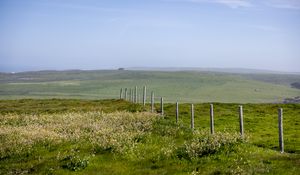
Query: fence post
point(162, 106)
point(177, 112)
point(280, 127)
point(121, 92)
point(212, 129)
point(152, 101)
point(192, 116)
point(130, 95)
point(144, 95)
point(140, 98)
point(241, 121)
point(133, 95)
point(136, 95)
point(125, 94)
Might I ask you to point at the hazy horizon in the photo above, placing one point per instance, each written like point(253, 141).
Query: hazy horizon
point(170, 69)
point(91, 35)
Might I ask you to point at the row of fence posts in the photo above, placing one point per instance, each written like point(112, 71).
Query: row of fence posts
point(133, 97)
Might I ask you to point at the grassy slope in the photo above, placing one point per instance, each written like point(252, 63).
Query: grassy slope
point(282, 79)
point(258, 156)
point(183, 86)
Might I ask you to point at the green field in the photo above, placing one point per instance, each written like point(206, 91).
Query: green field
point(185, 86)
point(60, 122)
point(117, 137)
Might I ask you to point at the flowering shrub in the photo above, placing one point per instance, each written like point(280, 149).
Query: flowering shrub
point(205, 144)
point(115, 131)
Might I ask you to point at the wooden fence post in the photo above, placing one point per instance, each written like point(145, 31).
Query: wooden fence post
point(136, 95)
point(125, 94)
point(162, 106)
point(177, 112)
point(133, 94)
point(140, 98)
point(121, 92)
point(192, 116)
point(280, 127)
point(212, 129)
point(130, 95)
point(241, 121)
point(144, 95)
point(152, 101)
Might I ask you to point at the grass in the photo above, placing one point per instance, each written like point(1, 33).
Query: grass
point(44, 106)
point(117, 137)
point(186, 86)
point(260, 121)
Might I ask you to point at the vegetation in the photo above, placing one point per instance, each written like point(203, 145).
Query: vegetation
point(117, 137)
point(296, 85)
point(186, 86)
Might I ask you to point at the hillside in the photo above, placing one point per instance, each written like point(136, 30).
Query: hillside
point(117, 137)
point(185, 86)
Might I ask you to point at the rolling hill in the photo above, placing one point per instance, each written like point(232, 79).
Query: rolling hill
point(185, 86)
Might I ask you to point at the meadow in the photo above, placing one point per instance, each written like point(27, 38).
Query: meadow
point(185, 86)
point(61, 136)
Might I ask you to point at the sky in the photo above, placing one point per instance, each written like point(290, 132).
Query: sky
point(107, 34)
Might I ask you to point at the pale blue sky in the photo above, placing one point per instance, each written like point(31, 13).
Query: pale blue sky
point(104, 34)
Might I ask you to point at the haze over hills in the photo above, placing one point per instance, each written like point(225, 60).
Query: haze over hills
point(186, 86)
point(224, 70)
point(171, 69)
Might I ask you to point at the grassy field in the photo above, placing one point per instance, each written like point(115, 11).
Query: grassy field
point(117, 137)
point(182, 86)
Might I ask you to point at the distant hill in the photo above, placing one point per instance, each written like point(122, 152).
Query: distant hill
point(223, 70)
point(183, 85)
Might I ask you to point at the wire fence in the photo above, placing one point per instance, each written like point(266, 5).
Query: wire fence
point(139, 96)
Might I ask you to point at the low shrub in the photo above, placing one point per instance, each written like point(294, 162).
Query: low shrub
point(115, 132)
point(74, 162)
point(206, 144)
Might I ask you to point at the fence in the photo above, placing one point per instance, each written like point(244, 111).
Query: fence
point(132, 95)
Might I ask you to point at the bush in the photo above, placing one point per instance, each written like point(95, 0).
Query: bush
point(205, 144)
point(116, 132)
point(74, 162)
